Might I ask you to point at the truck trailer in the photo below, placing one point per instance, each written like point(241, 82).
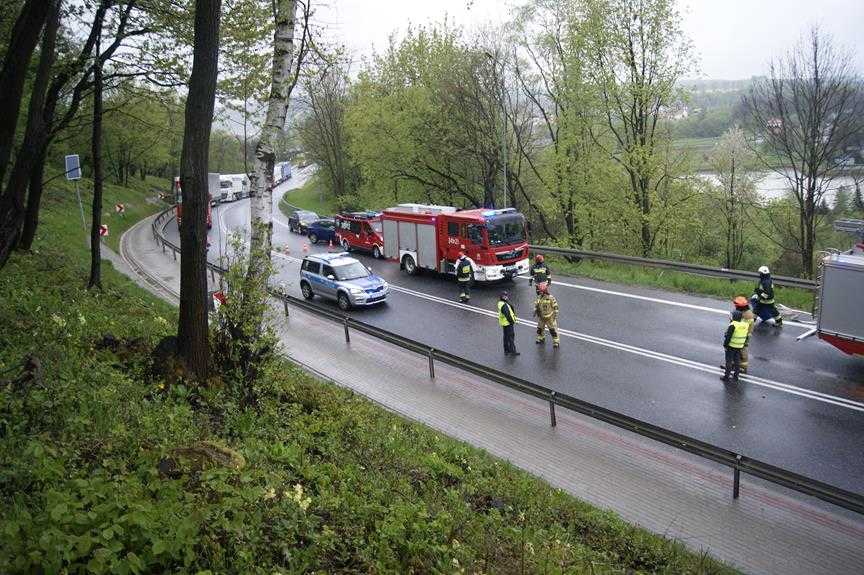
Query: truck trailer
point(840, 311)
point(430, 237)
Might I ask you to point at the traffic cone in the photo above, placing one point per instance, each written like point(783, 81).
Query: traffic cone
point(331, 245)
point(305, 248)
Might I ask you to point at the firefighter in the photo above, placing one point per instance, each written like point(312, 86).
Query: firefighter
point(507, 321)
point(734, 341)
point(763, 299)
point(546, 312)
point(464, 276)
point(741, 304)
point(540, 273)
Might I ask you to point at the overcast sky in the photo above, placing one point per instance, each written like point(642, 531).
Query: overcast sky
point(733, 38)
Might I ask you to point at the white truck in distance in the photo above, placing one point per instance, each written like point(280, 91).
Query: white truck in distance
point(233, 187)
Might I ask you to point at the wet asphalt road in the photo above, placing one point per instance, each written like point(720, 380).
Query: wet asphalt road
point(646, 353)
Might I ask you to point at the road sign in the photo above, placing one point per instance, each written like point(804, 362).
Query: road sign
point(120, 209)
point(73, 167)
point(103, 230)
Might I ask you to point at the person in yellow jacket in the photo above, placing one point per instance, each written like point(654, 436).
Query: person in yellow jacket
point(507, 321)
point(741, 304)
point(734, 341)
point(546, 312)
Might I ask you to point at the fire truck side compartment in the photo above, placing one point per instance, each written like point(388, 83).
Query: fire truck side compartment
point(841, 311)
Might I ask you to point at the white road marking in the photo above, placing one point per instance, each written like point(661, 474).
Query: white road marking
point(672, 359)
point(662, 301)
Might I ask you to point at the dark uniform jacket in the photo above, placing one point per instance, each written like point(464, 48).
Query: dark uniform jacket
point(461, 273)
point(540, 272)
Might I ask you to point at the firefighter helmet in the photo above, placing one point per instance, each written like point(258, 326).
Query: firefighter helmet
point(764, 271)
point(538, 258)
point(542, 288)
point(741, 302)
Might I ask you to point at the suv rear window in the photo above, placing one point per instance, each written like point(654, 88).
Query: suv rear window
point(311, 267)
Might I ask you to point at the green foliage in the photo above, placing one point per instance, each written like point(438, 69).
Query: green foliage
point(244, 341)
point(332, 483)
point(312, 196)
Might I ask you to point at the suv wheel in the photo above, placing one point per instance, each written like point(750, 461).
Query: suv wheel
point(343, 302)
point(376, 252)
point(410, 265)
point(313, 238)
point(346, 246)
point(307, 290)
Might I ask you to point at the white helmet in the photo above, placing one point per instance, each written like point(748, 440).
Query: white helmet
point(764, 270)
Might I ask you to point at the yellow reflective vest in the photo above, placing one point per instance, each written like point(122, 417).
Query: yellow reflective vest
point(739, 336)
point(502, 319)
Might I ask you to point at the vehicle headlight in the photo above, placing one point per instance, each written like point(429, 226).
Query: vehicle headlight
point(356, 291)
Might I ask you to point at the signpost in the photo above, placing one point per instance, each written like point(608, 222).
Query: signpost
point(73, 173)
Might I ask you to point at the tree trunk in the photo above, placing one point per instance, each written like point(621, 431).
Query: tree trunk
point(277, 108)
point(192, 329)
point(96, 217)
point(25, 35)
point(12, 202)
point(34, 199)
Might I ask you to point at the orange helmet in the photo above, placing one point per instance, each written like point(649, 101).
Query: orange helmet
point(542, 288)
point(538, 258)
point(741, 302)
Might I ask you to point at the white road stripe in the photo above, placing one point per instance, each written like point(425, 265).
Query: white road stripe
point(671, 359)
point(663, 301)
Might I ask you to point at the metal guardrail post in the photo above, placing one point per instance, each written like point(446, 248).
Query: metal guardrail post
point(347, 336)
point(174, 253)
point(431, 363)
point(285, 303)
point(163, 246)
point(552, 409)
point(736, 478)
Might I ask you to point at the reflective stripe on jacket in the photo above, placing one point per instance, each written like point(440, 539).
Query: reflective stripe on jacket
point(463, 269)
point(546, 306)
point(741, 329)
point(506, 315)
point(540, 273)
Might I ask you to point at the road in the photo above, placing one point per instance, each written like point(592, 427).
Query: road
point(649, 354)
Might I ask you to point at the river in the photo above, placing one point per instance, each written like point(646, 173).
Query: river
point(772, 185)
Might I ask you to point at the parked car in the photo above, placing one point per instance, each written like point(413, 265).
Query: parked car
point(322, 231)
point(342, 278)
point(299, 221)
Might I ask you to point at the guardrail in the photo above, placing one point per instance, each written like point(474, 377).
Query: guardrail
point(739, 463)
point(787, 281)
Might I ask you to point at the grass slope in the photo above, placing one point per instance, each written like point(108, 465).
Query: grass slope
point(331, 482)
point(309, 197)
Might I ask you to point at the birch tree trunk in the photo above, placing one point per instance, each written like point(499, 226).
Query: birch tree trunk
point(261, 192)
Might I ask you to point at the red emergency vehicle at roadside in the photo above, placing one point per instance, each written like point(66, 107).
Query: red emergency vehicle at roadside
point(360, 231)
point(421, 236)
point(178, 204)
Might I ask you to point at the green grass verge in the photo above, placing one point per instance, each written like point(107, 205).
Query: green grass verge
point(677, 281)
point(309, 197)
point(329, 481)
point(140, 198)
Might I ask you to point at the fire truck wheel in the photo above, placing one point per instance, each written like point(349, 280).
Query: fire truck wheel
point(410, 265)
point(306, 289)
point(376, 252)
point(343, 302)
point(346, 246)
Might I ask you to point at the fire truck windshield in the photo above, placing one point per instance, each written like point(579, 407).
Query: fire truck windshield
point(376, 225)
point(352, 271)
point(504, 230)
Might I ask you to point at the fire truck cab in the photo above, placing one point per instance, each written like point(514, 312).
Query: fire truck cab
point(429, 237)
point(360, 231)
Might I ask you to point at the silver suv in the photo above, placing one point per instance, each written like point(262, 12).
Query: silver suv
point(343, 278)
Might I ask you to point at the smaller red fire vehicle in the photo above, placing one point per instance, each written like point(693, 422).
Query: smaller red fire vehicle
point(360, 231)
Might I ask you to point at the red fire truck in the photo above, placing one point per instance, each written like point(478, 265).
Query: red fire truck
point(360, 231)
point(421, 236)
point(178, 198)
